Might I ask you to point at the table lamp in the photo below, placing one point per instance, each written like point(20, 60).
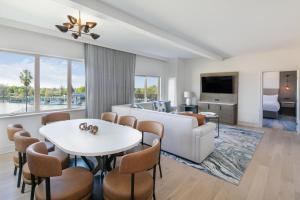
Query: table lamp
point(188, 99)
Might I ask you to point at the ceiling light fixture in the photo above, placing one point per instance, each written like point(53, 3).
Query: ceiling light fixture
point(81, 27)
point(287, 82)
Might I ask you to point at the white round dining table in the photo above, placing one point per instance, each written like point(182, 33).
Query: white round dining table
point(110, 139)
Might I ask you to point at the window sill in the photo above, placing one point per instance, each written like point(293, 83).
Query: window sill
point(39, 113)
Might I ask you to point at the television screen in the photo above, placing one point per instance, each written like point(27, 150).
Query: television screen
point(217, 84)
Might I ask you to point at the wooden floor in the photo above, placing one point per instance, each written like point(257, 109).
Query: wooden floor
point(273, 174)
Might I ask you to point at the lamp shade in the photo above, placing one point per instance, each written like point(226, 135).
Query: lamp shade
point(187, 94)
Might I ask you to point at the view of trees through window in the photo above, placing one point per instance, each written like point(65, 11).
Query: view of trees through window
point(17, 83)
point(147, 88)
point(53, 83)
point(78, 84)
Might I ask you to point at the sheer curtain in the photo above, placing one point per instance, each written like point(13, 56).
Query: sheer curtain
point(109, 79)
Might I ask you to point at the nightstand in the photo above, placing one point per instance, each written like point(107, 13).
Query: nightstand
point(288, 107)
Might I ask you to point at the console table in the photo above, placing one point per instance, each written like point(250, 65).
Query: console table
point(227, 112)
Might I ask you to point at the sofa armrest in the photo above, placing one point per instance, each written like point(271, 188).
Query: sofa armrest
point(203, 141)
point(204, 129)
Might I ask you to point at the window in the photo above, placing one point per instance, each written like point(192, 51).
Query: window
point(78, 84)
point(16, 83)
point(53, 83)
point(60, 83)
point(147, 88)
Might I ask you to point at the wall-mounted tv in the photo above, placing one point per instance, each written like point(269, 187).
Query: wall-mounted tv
point(217, 84)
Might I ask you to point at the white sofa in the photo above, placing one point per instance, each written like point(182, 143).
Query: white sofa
point(183, 137)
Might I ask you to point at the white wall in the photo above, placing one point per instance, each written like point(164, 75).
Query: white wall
point(30, 42)
point(250, 68)
point(271, 80)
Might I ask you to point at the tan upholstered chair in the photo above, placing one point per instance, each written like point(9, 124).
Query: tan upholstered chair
point(127, 121)
point(152, 127)
point(71, 183)
point(109, 117)
point(132, 179)
point(11, 130)
point(23, 139)
point(54, 117)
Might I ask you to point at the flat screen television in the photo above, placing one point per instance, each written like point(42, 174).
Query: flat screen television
point(217, 84)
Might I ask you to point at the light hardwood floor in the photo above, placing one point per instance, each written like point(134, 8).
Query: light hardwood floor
point(273, 174)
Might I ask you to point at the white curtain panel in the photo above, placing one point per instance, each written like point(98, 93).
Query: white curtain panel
point(109, 79)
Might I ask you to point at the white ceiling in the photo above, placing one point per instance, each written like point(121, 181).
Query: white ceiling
point(229, 27)
point(166, 29)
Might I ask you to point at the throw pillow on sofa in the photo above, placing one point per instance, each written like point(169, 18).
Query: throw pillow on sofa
point(200, 118)
point(159, 106)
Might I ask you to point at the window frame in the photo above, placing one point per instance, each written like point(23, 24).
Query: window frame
point(146, 85)
point(36, 84)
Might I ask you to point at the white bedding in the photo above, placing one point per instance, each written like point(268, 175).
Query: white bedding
point(271, 106)
point(270, 103)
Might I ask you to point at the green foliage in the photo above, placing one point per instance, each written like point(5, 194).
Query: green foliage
point(25, 77)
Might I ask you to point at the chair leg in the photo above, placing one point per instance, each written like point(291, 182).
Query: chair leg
point(75, 161)
point(32, 187)
point(154, 178)
point(20, 170)
point(48, 190)
point(115, 160)
point(159, 166)
point(23, 187)
point(15, 171)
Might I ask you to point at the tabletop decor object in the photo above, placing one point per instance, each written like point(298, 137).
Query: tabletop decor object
point(91, 128)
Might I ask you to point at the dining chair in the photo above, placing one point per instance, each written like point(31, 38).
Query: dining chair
point(72, 183)
point(11, 130)
point(109, 117)
point(132, 179)
point(22, 140)
point(55, 117)
point(155, 128)
point(125, 121)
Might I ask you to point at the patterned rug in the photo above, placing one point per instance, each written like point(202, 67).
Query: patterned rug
point(234, 150)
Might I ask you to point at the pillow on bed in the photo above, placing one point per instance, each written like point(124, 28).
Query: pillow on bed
point(270, 97)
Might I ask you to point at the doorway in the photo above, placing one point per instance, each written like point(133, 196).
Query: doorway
point(280, 100)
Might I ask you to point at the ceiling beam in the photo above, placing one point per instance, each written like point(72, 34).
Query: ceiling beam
point(103, 10)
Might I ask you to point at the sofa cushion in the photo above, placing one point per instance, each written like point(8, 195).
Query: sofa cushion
point(162, 106)
point(200, 118)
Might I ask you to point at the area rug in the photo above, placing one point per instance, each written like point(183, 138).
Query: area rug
point(233, 152)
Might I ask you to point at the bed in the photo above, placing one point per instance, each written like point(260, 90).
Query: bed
point(271, 106)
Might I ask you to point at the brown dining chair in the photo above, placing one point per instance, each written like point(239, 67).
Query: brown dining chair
point(11, 130)
point(22, 140)
point(132, 179)
point(54, 117)
point(71, 183)
point(125, 121)
point(152, 127)
point(109, 117)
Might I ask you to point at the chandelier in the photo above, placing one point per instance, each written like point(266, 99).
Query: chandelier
point(77, 27)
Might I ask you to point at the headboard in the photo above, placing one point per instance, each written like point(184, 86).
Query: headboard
point(270, 91)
